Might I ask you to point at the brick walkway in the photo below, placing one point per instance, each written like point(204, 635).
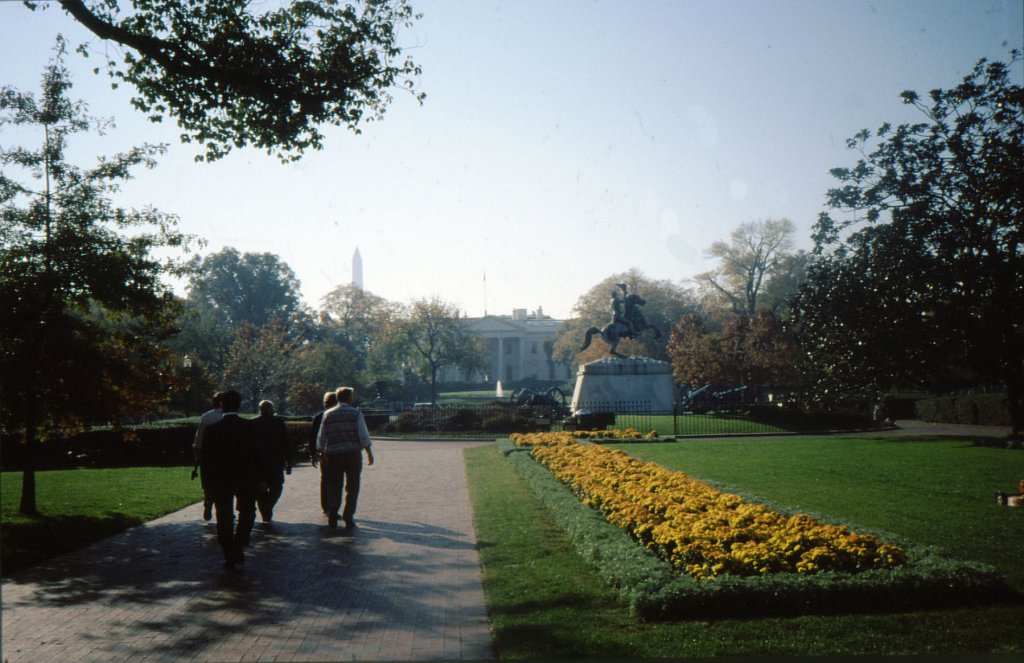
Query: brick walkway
point(405, 586)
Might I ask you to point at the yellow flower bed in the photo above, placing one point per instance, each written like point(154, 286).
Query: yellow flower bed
point(569, 437)
point(700, 530)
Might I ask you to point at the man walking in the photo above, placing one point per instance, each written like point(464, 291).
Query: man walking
point(330, 400)
point(229, 458)
point(342, 439)
point(207, 418)
point(274, 456)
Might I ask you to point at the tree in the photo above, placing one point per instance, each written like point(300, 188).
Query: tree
point(748, 351)
point(250, 287)
point(260, 363)
point(228, 289)
point(666, 304)
point(320, 366)
point(918, 274)
point(233, 73)
point(437, 339)
point(357, 320)
point(696, 357)
point(756, 254)
point(82, 304)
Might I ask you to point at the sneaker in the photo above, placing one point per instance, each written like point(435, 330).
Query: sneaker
point(349, 524)
point(207, 510)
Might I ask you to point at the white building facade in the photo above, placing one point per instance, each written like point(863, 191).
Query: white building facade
point(516, 349)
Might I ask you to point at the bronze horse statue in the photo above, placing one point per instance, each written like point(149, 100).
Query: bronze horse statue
point(630, 325)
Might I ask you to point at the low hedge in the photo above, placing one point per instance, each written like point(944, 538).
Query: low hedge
point(653, 591)
point(973, 409)
point(156, 444)
point(795, 418)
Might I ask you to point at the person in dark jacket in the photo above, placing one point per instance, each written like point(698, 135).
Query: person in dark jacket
point(274, 456)
point(229, 457)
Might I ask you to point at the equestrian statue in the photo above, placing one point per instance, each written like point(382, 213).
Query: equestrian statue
point(627, 321)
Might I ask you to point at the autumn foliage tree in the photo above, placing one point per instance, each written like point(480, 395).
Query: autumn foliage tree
point(746, 351)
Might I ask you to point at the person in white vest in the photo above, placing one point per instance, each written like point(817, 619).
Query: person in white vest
point(340, 443)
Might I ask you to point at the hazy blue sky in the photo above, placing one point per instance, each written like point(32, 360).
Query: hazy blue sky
point(561, 141)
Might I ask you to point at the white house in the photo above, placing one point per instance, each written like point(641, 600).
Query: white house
point(515, 349)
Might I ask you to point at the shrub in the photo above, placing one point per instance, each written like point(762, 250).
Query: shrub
point(981, 409)
point(463, 419)
point(506, 423)
point(407, 422)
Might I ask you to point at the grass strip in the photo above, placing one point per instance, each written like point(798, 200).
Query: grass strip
point(79, 507)
point(653, 591)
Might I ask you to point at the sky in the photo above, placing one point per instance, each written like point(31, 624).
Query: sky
point(560, 142)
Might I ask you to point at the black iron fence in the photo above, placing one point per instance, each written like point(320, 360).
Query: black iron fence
point(595, 415)
point(726, 412)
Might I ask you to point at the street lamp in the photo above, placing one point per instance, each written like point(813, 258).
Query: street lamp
point(186, 363)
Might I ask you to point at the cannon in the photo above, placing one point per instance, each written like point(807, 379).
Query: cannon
point(551, 403)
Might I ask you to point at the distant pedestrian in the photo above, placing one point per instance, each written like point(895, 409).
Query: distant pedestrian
point(275, 458)
point(330, 400)
point(342, 439)
point(207, 418)
point(230, 460)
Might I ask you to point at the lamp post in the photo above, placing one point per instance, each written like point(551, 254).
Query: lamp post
point(186, 363)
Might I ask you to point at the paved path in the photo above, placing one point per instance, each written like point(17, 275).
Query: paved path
point(405, 586)
point(914, 427)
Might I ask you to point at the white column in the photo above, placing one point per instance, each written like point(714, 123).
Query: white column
point(501, 358)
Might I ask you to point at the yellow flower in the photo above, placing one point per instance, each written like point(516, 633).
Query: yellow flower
point(698, 529)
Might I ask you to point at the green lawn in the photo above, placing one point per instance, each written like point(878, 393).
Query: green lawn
point(79, 507)
point(934, 491)
point(546, 602)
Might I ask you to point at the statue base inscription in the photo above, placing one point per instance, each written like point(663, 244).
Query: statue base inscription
point(640, 382)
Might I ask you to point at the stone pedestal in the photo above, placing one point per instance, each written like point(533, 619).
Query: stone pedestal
point(610, 383)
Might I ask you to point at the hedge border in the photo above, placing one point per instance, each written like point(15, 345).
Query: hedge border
point(653, 591)
point(971, 409)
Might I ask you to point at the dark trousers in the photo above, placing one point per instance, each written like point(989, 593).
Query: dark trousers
point(339, 472)
point(266, 499)
point(208, 493)
point(231, 538)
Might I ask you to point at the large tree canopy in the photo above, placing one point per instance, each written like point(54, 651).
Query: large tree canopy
point(229, 289)
point(82, 305)
point(919, 272)
point(244, 287)
point(236, 73)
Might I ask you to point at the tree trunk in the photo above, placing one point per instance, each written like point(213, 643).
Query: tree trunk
point(1014, 393)
point(27, 506)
